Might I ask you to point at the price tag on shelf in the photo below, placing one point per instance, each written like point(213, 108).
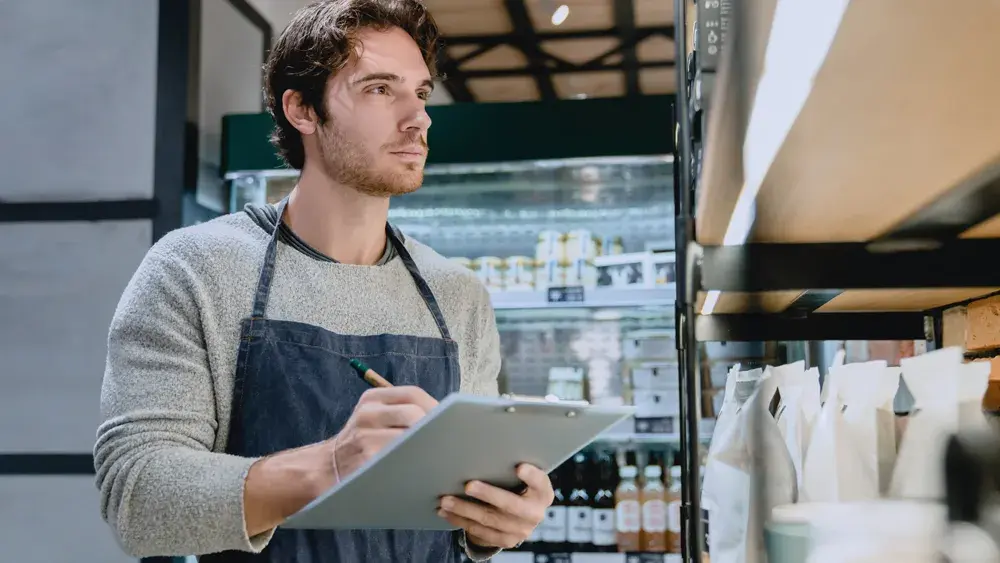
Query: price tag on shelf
point(658, 425)
point(645, 557)
point(553, 558)
point(571, 294)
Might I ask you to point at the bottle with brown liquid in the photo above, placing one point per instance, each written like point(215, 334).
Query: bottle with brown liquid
point(628, 511)
point(674, 510)
point(654, 510)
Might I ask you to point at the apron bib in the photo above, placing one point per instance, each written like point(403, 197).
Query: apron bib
point(294, 387)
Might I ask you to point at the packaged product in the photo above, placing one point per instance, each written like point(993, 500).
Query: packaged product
point(520, 275)
point(580, 243)
point(798, 407)
point(490, 270)
point(746, 440)
point(947, 398)
point(853, 446)
point(551, 246)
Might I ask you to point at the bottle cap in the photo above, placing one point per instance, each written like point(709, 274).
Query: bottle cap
point(653, 471)
point(628, 472)
point(675, 472)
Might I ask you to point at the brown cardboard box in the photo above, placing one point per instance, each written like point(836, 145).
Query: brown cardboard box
point(983, 318)
point(991, 400)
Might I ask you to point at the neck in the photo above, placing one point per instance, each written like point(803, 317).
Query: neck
point(338, 220)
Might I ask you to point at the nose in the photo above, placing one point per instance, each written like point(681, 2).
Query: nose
point(416, 118)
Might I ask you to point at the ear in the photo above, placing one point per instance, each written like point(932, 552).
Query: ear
point(301, 116)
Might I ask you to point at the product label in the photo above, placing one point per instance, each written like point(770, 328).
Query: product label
point(654, 516)
point(604, 526)
point(674, 516)
point(554, 525)
point(629, 516)
point(581, 524)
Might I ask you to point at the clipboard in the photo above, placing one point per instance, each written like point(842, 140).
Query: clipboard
point(463, 438)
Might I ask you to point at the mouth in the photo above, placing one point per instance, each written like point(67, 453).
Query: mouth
point(413, 151)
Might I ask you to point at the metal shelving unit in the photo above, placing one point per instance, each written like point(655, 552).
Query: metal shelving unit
point(772, 251)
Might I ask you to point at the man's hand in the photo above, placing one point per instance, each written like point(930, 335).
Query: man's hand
point(380, 416)
point(279, 485)
point(507, 519)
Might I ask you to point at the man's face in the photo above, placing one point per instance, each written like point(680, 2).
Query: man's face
point(375, 136)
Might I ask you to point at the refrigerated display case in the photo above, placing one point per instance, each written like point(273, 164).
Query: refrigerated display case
point(578, 255)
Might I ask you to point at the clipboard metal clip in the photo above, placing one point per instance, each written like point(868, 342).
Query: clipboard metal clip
point(548, 399)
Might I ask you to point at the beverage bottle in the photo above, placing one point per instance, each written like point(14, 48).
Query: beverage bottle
point(674, 511)
point(628, 512)
point(579, 513)
point(654, 510)
point(603, 501)
point(553, 528)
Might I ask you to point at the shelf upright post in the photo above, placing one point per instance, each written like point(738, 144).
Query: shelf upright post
point(690, 397)
point(683, 350)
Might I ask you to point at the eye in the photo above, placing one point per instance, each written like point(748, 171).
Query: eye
point(424, 95)
point(379, 90)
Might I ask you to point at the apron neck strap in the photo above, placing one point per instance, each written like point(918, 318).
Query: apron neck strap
point(395, 239)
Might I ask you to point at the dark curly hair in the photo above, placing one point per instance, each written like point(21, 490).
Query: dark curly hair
point(319, 42)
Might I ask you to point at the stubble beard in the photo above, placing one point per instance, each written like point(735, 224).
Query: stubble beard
point(348, 163)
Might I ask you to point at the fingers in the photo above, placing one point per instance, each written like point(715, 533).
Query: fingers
point(486, 521)
point(539, 484)
point(480, 534)
point(402, 395)
point(379, 415)
point(503, 501)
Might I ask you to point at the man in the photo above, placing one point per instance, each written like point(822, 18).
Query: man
point(228, 399)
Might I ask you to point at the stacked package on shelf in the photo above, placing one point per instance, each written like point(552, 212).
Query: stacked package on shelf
point(652, 359)
point(844, 459)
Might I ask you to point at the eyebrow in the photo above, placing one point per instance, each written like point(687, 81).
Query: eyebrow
point(390, 77)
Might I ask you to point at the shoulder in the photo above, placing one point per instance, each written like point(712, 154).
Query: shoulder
point(451, 281)
point(221, 241)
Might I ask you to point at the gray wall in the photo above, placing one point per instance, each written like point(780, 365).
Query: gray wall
point(78, 110)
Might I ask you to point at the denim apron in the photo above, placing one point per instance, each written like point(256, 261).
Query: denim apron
point(294, 387)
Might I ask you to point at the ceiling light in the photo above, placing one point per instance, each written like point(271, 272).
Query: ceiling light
point(560, 15)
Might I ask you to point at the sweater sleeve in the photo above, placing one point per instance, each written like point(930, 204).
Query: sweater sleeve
point(484, 349)
point(162, 489)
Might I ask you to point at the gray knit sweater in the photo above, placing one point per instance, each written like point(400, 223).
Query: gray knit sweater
point(166, 486)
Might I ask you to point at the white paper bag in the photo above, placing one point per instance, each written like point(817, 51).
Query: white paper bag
point(838, 360)
point(868, 395)
point(752, 442)
point(724, 490)
point(797, 411)
point(853, 439)
point(947, 398)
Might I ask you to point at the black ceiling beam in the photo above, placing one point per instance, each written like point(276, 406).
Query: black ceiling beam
point(453, 79)
point(588, 67)
point(625, 21)
point(529, 45)
point(639, 37)
point(517, 37)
